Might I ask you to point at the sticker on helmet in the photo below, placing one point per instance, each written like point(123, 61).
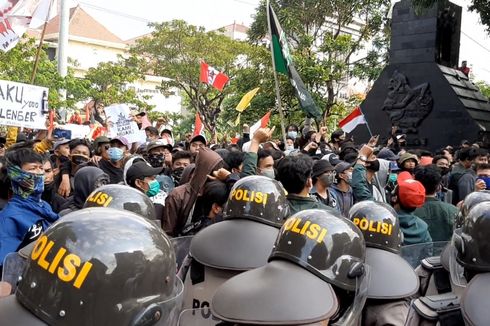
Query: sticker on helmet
point(311, 230)
point(373, 226)
point(64, 264)
point(100, 198)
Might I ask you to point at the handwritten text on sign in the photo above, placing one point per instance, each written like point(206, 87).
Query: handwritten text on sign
point(121, 123)
point(21, 105)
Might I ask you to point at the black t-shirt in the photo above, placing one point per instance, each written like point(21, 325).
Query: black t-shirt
point(115, 174)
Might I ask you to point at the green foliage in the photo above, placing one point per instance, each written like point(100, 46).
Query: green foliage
point(484, 89)
point(322, 51)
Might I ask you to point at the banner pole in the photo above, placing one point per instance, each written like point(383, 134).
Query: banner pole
point(38, 52)
point(276, 80)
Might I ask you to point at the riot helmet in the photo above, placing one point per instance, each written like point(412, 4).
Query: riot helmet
point(469, 202)
point(258, 198)
point(381, 229)
point(472, 241)
point(379, 224)
point(122, 198)
point(99, 266)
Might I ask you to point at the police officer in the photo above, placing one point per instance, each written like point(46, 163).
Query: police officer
point(315, 274)
point(97, 266)
point(256, 209)
point(122, 198)
point(393, 280)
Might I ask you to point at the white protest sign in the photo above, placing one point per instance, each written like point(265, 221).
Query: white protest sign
point(77, 131)
point(21, 105)
point(121, 123)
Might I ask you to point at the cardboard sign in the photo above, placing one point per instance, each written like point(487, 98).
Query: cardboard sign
point(21, 105)
point(121, 123)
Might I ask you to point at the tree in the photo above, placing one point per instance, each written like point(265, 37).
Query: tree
point(322, 50)
point(175, 49)
point(482, 7)
point(484, 89)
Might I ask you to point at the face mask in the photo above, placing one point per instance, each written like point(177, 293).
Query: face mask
point(78, 159)
point(444, 171)
point(156, 160)
point(327, 179)
point(115, 154)
point(292, 134)
point(487, 181)
point(268, 173)
point(373, 166)
point(392, 177)
point(290, 147)
point(24, 183)
point(153, 188)
point(177, 174)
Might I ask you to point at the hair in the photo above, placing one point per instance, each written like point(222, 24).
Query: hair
point(429, 176)
point(483, 166)
point(295, 127)
point(336, 134)
point(468, 153)
point(152, 130)
point(181, 154)
point(436, 158)
point(424, 152)
point(22, 153)
point(294, 171)
point(214, 192)
point(77, 142)
point(263, 153)
point(234, 159)
point(481, 152)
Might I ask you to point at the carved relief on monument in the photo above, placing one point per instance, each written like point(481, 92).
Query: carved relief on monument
point(407, 107)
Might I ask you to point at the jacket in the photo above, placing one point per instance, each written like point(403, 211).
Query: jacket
point(345, 200)
point(361, 188)
point(299, 203)
point(461, 182)
point(23, 221)
point(179, 203)
point(439, 217)
point(414, 229)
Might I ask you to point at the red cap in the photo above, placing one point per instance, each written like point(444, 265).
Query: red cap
point(411, 193)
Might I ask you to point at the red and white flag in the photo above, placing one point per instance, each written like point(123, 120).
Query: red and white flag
point(212, 77)
point(352, 120)
point(198, 126)
point(262, 123)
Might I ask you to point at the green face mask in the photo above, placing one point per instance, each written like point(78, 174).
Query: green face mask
point(153, 188)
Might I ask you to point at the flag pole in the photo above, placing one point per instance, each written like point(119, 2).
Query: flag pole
point(38, 52)
point(367, 124)
point(276, 80)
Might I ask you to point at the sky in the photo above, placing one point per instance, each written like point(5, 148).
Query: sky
point(128, 19)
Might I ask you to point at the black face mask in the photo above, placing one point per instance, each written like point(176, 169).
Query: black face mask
point(79, 159)
point(373, 166)
point(444, 171)
point(156, 161)
point(177, 174)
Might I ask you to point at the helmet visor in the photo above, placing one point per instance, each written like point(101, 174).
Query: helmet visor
point(181, 246)
point(455, 268)
point(13, 266)
point(169, 309)
point(413, 254)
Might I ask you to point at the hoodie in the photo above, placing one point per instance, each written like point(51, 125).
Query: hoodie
point(86, 180)
point(179, 203)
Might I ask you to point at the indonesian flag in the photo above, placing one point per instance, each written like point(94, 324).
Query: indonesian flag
point(354, 119)
point(262, 123)
point(212, 77)
point(198, 126)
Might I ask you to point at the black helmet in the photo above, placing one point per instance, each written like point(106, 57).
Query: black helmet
point(381, 229)
point(122, 198)
point(98, 266)
point(379, 224)
point(328, 246)
point(471, 200)
point(472, 241)
point(258, 198)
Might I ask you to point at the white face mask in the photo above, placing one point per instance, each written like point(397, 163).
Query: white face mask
point(269, 173)
point(349, 177)
point(289, 147)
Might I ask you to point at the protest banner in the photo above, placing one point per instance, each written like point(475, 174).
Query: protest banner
point(122, 124)
point(21, 105)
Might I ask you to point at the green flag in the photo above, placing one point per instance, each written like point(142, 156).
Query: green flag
point(284, 64)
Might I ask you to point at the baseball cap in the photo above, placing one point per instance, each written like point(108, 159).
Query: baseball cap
point(387, 154)
point(122, 139)
point(342, 166)
point(136, 113)
point(60, 142)
point(141, 170)
point(332, 158)
point(200, 138)
point(410, 192)
point(320, 167)
point(158, 143)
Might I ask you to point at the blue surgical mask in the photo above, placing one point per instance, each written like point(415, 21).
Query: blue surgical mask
point(292, 134)
point(269, 173)
point(115, 154)
point(153, 188)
